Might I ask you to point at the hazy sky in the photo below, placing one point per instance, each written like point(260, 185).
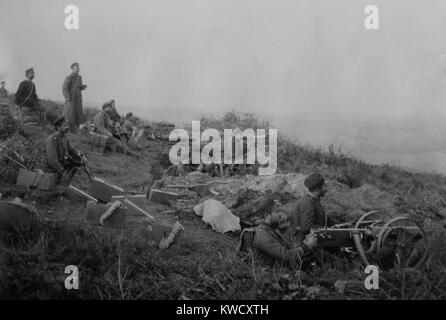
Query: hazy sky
point(277, 57)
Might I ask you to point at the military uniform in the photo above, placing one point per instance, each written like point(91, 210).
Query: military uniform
point(72, 91)
point(274, 246)
point(26, 97)
point(102, 124)
point(61, 157)
point(308, 215)
point(129, 127)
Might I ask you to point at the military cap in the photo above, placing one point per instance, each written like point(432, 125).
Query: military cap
point(314, 181)
point(59, 121)
point(106, 104)
point(74, 64)
point(28, 71)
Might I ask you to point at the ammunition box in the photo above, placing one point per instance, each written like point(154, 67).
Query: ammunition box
point(98, 142)
point(46, 181)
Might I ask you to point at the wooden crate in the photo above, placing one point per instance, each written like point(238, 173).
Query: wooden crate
point(104, 191)
point(95, 210)
point(46, 181)
point(97, 142)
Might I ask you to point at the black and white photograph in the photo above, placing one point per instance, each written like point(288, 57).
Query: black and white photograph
point(228, 156)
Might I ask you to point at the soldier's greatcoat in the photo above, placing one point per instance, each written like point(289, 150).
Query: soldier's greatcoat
point(72, 91)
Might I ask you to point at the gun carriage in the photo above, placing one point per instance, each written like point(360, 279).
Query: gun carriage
point(393, 242)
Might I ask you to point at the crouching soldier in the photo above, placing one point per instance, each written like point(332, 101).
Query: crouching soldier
point(273, 242)
point(61, 156)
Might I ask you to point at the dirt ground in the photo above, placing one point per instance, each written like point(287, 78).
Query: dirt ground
point(201, 264)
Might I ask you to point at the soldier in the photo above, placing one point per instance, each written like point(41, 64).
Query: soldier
point(114, 115)
point(309, 212)
point(273, 242)
point(103, 124)
point(131, 132)
point(26, 96)
point(72, 91)
point(61, 157)
point(129, 125)
point(4, 95)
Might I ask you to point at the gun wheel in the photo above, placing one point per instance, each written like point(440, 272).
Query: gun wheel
point(369, 221)
point(404, 241)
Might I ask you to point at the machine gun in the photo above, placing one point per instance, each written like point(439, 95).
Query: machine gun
point(400, 242)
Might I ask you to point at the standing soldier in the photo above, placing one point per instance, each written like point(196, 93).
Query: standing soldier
point(72, 91)
point(60, 155)
point(26, 96)
point(4, 95)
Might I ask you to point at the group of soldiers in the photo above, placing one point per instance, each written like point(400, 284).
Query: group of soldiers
point(64, 159)
point(282, 237)
point(61, 157)
point(122, 133)
point(26, 98)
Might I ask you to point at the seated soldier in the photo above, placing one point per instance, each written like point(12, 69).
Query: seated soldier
point(274, 242)
point(103, 124)
point(114, 115)
point(309, 212)
point(129, 125)
point(117, 122)
point(61, 156)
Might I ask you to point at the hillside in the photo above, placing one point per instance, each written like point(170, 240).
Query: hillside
point(203, 264)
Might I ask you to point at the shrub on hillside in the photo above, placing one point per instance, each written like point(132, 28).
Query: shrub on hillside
point(32, 153)
point(233, 120)
point(8, 125)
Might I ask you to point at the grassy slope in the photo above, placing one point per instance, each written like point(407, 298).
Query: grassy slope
point(202, 263)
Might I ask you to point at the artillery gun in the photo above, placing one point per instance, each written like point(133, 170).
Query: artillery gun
point(397, 242)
